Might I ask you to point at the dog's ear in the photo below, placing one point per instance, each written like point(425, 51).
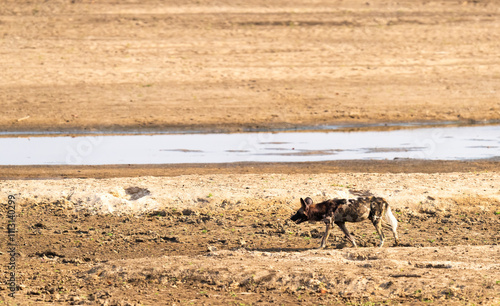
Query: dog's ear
point(307, 202)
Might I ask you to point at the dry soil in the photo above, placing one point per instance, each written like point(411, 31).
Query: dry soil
point(226, 239)
point(237, 65)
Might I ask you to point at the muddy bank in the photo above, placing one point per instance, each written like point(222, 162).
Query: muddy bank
point(345, 166)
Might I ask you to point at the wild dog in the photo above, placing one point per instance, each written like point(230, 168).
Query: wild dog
point(340, 211)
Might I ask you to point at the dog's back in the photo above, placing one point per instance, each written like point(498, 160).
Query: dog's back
point(328, 208)
point(354, 210)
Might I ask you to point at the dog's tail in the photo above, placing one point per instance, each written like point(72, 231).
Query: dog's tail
point(393, 222)
point(389, 217)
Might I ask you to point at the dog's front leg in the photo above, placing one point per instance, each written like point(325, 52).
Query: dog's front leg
point(325, 236)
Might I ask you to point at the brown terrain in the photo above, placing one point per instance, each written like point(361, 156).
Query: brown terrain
point(220, 234)
point(231, 65)
point(226, 239)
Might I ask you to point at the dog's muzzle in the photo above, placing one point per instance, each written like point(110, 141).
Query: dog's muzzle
point(299, 218)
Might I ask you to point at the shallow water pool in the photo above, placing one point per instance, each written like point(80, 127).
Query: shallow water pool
point(443, 143)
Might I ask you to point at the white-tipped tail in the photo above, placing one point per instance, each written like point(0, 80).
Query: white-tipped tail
point(389, 217)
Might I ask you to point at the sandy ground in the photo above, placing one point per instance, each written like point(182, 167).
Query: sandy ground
point(226, 239)
point(233, 65)
point(219, 234)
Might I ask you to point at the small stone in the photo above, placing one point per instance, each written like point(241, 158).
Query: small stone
point(188, 212)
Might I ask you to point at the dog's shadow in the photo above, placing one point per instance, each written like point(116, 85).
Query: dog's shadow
point(278, 250)
point(336, 246)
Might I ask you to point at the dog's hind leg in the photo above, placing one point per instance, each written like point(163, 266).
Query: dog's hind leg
point(325, 236)
point(346, 233)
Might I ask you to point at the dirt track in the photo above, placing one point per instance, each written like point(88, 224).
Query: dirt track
point(232, 65)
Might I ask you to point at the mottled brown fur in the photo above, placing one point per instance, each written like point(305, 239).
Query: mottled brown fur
point(339, 211)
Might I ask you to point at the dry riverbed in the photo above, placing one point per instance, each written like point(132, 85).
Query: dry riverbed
point(226, 238)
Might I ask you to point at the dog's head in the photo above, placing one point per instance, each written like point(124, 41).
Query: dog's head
point(302, 214)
